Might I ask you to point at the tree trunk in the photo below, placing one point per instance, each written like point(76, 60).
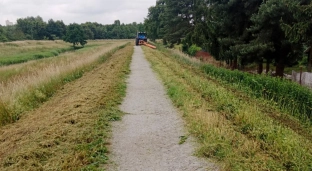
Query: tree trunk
point(267, 67)
point(309, 60)
point(230, 64)
point(280, 68)
point(234, 66)
point(260, 66)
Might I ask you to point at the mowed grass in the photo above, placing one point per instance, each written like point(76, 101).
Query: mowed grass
point(234, 129)
point(25, 86)
point(71, 131)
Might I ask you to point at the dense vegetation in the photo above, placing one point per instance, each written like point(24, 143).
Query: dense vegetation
point(238, 32)
point(34, 28)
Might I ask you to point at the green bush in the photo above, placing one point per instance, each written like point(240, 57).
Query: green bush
point(193, 50)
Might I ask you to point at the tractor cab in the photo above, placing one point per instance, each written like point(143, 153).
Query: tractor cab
point(141, 36)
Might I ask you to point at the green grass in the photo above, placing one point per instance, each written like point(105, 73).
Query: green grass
point(233, 128)
point(289, 96)
point(97, 151)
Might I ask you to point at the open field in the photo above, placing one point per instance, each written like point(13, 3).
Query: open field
point(23, 51)
point(70, 131)
point(235, 128)
point(25, 86)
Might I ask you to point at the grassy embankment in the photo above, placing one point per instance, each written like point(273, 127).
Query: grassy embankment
point(233, 127)
point(23, 51)
point(71, 130)
point(25, 86)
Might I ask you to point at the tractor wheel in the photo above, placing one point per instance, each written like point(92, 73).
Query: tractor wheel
point(145, 40)
point(137, 42)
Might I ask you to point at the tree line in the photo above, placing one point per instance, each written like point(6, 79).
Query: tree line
point(34, 28)
point(237, 31)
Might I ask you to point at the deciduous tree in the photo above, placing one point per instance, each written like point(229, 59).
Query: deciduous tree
point(75, 35)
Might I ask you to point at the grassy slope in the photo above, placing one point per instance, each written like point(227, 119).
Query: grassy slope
point(69, 131)
point(232, 128)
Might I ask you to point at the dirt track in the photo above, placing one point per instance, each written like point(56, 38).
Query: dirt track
point(148, 136)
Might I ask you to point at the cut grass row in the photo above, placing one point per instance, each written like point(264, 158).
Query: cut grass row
point(70, 131)
point(232, 130)
point(30, 88)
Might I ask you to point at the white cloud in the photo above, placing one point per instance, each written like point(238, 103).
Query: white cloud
point(79, 11)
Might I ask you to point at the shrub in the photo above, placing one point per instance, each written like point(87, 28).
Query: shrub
point(193, 50)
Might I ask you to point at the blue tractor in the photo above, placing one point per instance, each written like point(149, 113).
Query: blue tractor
point(141, 36)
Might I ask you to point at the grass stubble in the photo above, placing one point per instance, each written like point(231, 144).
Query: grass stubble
point(71, 130)
point(233, 131)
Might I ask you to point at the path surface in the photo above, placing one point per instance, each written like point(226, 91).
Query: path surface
point(147, 138)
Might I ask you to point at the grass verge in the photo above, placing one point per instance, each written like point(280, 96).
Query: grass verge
point(233, 130)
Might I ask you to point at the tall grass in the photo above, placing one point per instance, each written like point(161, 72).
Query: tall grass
point(297, 100)
point(39, 80)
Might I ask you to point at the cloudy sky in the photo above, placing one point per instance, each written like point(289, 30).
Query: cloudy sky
point(79, 11)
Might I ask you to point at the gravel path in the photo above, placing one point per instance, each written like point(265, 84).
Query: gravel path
point(148, 136)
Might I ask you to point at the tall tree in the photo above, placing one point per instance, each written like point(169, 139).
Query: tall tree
point(3, 38)
point(75, 35)
point(154, 22)
point(55, 29)
point(178, 16)
point(268, 31)
point(228, 22)
point(32, 27)
point(300, 29)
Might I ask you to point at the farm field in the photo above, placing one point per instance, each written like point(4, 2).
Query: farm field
point(23, 51)
point(65, 105)
point(25, 86)
point(234, 124)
